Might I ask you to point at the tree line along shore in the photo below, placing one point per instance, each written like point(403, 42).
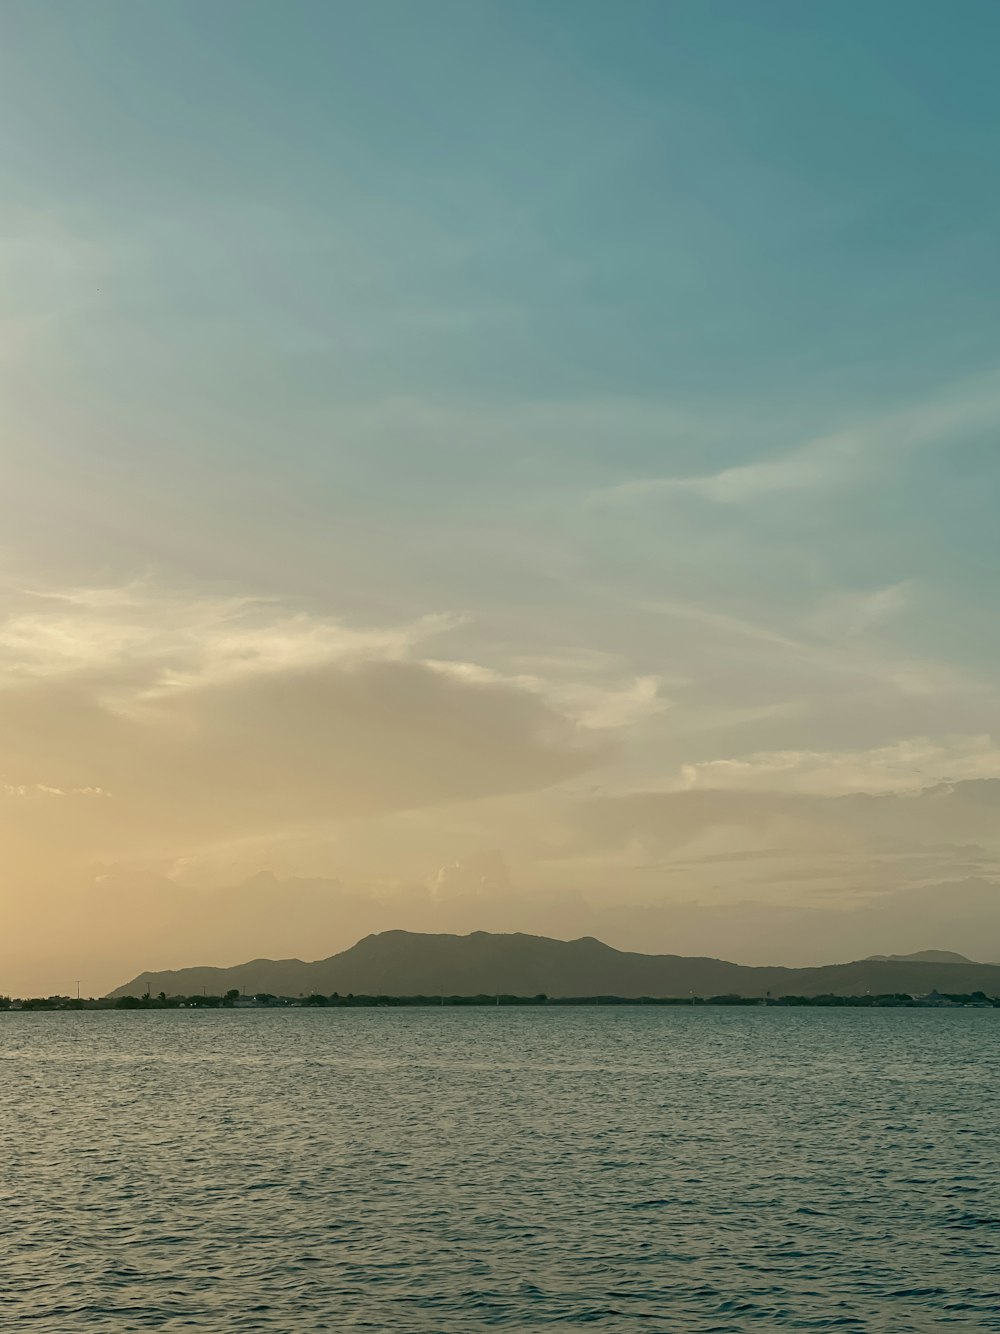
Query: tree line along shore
point(234, 1000)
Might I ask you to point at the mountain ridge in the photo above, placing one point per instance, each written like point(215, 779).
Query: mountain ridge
point(407, 963)
point(921, 956)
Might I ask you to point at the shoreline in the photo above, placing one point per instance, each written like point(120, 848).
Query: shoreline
point(898, 1001)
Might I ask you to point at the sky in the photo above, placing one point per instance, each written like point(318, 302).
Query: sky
point(507, 466)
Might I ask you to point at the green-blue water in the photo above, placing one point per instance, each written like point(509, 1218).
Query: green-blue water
point(450, 1170)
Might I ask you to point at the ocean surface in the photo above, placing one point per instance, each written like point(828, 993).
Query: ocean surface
point(455, 1170)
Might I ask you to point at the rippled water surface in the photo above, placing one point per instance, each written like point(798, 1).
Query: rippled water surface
point(452, 1170)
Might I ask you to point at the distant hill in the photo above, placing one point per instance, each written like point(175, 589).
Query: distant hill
point(922, 956)
point(405, 963)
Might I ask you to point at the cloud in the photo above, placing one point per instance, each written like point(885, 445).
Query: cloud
point(598, 706)
point(174, 641)
point(813, 465)
point(47, 790)
point(289, 748)
point(214, 719)
point(849, 613)
point(479, 875)
point(840, 458)
point(903, 766)
point(724, 840)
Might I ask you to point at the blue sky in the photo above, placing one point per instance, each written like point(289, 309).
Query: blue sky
point(650, 348)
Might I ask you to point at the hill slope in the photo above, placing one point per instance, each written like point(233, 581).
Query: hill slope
point(405, 963)
point(922, 956)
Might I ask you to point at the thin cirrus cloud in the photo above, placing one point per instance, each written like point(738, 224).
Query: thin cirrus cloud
point(905, 766)
point(839, 459)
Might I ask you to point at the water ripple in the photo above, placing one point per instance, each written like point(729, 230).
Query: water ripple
point(699, 1172)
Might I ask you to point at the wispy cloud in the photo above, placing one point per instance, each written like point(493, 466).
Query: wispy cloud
point(599, 705)
point(837, 459)
point(850, 613)
point(170, 641)
point(832, 639)
point(904, 766)
point(30, 790)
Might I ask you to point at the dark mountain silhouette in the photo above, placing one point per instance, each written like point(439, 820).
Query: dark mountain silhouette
point(404, 963)
point(921, 956)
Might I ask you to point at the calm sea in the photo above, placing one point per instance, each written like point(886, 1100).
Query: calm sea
point(451, 1170)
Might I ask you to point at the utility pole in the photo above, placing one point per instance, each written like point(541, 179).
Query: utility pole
point(78, 989)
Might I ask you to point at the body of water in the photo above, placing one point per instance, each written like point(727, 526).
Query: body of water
point(671, 1170)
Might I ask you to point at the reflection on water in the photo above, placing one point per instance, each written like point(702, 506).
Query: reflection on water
point(446, 1170)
